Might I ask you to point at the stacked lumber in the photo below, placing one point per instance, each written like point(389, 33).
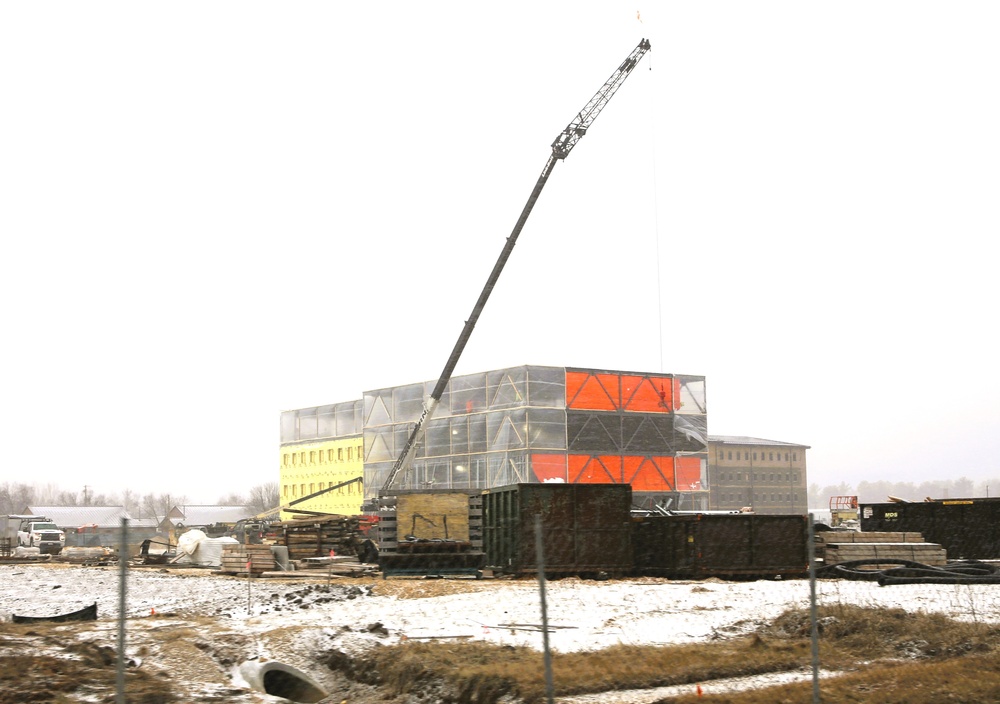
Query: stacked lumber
point(844, 546)
point(316, 536)
point(235, 558)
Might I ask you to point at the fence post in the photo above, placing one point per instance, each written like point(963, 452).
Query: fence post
point(813, 618)
point(545, 615)
point(123, 572)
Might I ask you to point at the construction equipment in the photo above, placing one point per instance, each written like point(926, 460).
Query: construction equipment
point(561, 147)
point(844, 511)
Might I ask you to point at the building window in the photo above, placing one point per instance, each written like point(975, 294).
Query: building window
point(350, 453)
point(770, 457)
point(786, 457)
point(284, 491)
point(284, 460)
point(361, 451)
point(340, 454)
point(312, 457)
point(771, 477)
point(795, 457)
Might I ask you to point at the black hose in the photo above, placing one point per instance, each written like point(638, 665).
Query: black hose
point(909, 572)
point(852, 569)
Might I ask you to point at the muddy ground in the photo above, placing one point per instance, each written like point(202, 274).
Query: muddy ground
point(194, 634)
point(193, 650)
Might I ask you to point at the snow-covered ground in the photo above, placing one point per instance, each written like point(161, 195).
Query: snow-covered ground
point(202, 627)
point(582, 614)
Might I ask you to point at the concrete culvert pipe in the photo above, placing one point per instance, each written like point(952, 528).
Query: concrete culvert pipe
point(280, 680)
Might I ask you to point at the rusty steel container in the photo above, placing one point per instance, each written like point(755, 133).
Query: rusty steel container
point(697, 546)
point(965, 528)
point(586, 528)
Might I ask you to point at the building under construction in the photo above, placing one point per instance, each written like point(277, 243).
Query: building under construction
point(507, 426)
point(510, 426)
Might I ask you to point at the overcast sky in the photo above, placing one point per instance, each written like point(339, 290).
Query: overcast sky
point(213, 212)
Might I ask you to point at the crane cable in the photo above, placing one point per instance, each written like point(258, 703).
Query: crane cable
point(656, 216)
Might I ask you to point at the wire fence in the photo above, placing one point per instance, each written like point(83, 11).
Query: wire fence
point(596, 637)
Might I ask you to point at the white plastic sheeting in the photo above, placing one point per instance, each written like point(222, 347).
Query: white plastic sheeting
point(196, 548)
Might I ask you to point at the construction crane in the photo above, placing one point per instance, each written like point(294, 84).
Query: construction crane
point(561, 148)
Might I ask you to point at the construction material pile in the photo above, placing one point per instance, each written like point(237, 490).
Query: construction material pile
point(321, 536)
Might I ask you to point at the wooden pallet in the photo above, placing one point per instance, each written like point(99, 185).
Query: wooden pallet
point(235, 559)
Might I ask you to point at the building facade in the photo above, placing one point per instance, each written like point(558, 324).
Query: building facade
point(767, 476)
point(516, 425)
point(322, 447)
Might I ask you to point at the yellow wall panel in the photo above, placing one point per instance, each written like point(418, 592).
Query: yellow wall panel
point(306, 468)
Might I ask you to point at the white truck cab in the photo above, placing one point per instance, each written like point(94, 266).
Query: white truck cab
point(39, 532)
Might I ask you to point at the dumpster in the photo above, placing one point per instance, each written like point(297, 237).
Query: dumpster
point(585, 528)
point(965, 528)
point(696, 546)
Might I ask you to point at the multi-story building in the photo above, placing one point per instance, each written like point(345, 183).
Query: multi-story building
point(767, 476)
point(322, 447)
point(506, 426)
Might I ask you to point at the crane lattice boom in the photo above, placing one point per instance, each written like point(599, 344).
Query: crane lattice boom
point(565, 142)
point(568, 138)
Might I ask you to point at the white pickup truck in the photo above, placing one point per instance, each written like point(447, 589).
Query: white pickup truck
point(39, 532)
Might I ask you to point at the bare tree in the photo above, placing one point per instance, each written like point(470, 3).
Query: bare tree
point(17, 497)
point(101, 500)
point(6, 501)
point(879, 491)
point(988, 487)
point(157, 506)
point(963, 487)
point(264, 497)
point(65, 498)
point(129, 501)
point(232, 499)
point(47, 494)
